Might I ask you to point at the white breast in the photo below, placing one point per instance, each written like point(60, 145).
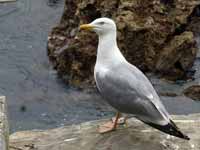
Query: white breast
point(101, 70)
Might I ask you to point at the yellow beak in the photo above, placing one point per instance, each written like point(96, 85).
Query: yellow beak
point(86, 27)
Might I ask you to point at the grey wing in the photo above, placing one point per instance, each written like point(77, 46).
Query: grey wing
point(127, 89)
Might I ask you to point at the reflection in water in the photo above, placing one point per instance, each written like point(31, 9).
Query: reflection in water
point(36, 98)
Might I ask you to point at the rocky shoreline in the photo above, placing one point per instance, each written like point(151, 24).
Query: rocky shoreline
point(135, 136)
point(156, 36)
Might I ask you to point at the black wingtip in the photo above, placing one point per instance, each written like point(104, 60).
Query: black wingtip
point(171, 129)
point(179, 134)
point(177, 131)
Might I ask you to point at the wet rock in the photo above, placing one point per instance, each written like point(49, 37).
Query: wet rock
point(193, 92)
point(168, 94)
point(172, 60)
point(136, 136)
point(151, 35)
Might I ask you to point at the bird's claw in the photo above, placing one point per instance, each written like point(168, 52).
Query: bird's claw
point(107, 127)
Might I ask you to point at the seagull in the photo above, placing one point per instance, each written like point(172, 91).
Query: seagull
point(124, 86)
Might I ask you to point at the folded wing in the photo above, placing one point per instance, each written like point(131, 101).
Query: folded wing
point(127, 89)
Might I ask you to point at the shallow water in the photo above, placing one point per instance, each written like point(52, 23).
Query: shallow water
point(37, 99)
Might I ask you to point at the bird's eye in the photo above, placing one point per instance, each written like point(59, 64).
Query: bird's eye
point(102, 23)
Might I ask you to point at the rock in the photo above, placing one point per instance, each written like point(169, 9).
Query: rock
point(174, 55)
point(151, 35)
point(4, 131)
point(193, 92)
point(194, 25)
point(7, 1)
point(136, 136)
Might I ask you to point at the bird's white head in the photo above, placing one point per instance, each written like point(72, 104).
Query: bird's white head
point(101, 26)
point(108, 51)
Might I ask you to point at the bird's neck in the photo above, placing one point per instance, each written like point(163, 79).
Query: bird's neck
point(108, 51)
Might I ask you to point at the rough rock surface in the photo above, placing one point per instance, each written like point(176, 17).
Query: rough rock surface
point(4, 129)
point(174, 54)
point(152, 35)
point(193, 92)
point(136, 136)
point(194, 25)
